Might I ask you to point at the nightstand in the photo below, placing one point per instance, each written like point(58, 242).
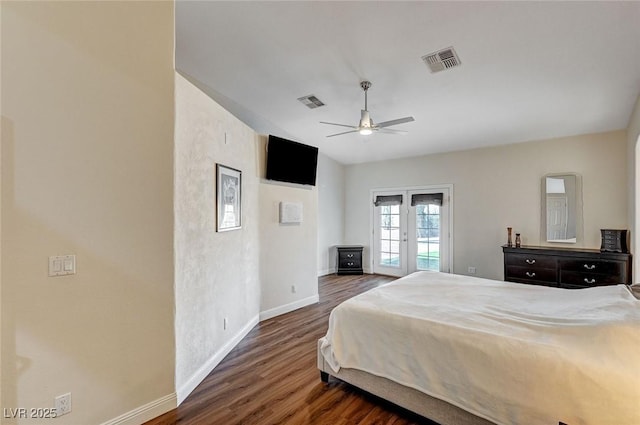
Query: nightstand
point(350, 259)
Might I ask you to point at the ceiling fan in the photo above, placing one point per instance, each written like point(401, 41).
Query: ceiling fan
point(366, 125)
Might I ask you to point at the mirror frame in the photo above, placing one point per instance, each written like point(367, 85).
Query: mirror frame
point(579, 209)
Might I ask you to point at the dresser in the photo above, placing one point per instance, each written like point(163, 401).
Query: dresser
point(350, 259)
point(571, 268)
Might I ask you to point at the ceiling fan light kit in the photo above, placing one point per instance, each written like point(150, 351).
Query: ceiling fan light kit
point(366, 126)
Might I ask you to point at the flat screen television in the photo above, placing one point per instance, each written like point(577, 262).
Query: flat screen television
point(292, 162)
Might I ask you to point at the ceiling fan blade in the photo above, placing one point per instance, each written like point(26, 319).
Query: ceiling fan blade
point(340, 125)
point(394, 122)
point(391, 131)
point(346, 132)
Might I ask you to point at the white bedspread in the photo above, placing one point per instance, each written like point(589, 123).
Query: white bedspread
point(511, 353)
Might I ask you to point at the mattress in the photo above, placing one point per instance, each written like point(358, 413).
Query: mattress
point(507, 352)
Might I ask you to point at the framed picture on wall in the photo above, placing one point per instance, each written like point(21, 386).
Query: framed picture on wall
point(228, 198)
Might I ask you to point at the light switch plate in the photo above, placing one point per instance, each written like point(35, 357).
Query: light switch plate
point(62, 265)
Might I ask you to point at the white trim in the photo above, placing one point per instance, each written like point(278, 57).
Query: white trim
point(326, 272)
point(289, 307)
point(401, 269)
point(195, 380)
point(146, 412)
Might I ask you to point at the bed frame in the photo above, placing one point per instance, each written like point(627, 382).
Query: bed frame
point(424, 405)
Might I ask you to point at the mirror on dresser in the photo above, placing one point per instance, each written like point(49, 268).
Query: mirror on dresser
point(561, 215)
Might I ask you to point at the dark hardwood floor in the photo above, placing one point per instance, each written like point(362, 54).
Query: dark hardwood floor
point(271, 376)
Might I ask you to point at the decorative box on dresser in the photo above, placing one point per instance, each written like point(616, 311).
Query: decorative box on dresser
point(571, 268)
point(350, 259)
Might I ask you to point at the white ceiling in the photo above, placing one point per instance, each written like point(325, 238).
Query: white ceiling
point(530, 70)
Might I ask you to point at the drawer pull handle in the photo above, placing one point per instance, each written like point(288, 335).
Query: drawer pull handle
point(351, 256)
point(349, 264)
point(589, 280)
point(529, 274)
point(589, 267)
point(530, 261)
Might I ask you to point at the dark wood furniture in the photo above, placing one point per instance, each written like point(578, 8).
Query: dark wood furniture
point(614, 240)
point(571, 268)
point(350, 259)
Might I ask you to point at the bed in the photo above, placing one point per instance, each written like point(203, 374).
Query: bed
point(462, 350)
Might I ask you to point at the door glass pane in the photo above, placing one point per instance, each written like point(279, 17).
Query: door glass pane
point(428, 237)
point(390, 236)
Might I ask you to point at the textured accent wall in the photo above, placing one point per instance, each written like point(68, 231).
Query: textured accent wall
point(217, 273)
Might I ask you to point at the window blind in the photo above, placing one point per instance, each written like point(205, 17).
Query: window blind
point(426, 199)
point(388, 200)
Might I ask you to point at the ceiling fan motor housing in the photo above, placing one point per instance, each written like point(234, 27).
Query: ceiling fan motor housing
point(365, 119)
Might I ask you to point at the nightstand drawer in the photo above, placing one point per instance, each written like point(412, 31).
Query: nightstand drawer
point(350, 262)
point(349, 255)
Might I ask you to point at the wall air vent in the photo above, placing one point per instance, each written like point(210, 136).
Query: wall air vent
point(442, 59)
point(311, 101)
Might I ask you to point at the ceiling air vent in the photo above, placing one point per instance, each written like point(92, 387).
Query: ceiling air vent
point(442, 59)
point(311, 101)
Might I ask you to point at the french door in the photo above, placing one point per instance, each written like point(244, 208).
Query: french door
point(411, 230)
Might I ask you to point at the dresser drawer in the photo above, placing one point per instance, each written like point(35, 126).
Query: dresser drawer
point(531, 261)
point(531, 275)
point(566, 267)
point(586, 280)
point(592, 266)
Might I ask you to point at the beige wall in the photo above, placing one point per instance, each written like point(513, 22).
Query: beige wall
point(217, 273)
point(499, 187)
point(633, 158)
point(87, 160)
point(331, 209)
point(288, 252)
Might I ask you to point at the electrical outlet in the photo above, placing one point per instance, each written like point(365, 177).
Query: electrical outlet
point(63, 404)
point(224, 324)
point(471, 270)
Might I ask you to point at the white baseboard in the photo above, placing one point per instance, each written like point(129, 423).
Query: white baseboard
point(288, 307)
point(326, 272)
point(147, 412)
point(195, 380)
